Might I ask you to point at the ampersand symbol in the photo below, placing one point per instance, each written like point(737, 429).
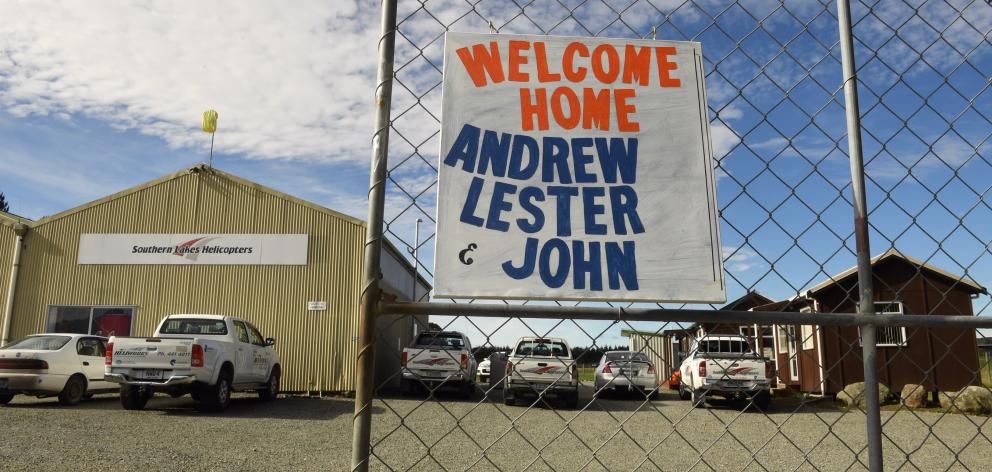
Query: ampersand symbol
point(461, 255)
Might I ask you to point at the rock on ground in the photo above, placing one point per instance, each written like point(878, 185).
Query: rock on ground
point(971, 400)
point(854, 395)
point(914, 396)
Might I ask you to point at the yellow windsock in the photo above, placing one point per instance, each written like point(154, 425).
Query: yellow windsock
point(210, 121)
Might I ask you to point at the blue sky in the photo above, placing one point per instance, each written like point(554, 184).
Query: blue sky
point(97, 99)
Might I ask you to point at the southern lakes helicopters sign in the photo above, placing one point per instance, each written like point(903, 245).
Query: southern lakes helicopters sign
point(575, 168)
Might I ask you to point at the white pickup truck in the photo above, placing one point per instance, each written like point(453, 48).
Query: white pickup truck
point(541, 366)
point(727, 366)
point(207, 356)
point(439, 358)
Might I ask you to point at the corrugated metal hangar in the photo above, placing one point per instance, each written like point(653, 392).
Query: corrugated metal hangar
point(204, 241)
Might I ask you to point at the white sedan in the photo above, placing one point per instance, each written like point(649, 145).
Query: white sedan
point(43, 365)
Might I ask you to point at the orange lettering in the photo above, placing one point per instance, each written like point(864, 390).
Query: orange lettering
point(568, 67)
point(529, 109)
point(610, 74)
point(636, 62)
point(574, 114)
point(479, 62)
point(620, 96)
point(596, 109)
point(665, 67)
point(517, 60)
point(541, 57)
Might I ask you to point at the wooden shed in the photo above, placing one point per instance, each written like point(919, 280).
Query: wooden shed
point(825, 359)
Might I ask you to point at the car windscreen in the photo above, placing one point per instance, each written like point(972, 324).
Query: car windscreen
point(40, 343)
point(194, 326)
point(542, 347)
point(626, 356)
point(724, 346)
point(440, 340)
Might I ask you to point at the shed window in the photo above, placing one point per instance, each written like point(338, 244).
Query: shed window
point(890, 336)
point(95, 320)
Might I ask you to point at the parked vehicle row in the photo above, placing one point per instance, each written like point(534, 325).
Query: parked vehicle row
point(205, 356)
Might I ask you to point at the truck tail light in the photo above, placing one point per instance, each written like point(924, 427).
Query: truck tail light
point(607, 369)
point(197, 356)
point(702, 368)
point(769, 371)
point(651, 369)
point(509, 368)
point(404, 358)
point(110, 354)
point(464, 361)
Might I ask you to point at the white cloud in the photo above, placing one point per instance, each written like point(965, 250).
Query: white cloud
point(740, 259)
point(288, 82)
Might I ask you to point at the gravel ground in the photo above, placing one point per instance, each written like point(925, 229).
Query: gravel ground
point(611, 434)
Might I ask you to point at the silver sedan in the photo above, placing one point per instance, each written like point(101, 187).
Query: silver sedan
point(626, 370)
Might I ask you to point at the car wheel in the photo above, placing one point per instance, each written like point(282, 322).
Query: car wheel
point(572, 400)
point(218, 396)
point(88, 396)
point(6, 398)
point(468, 389)
point(134, 397)
point(508, 398)
point(73, 391)
point(271, 389)
point(698, 399)
point(762, 399)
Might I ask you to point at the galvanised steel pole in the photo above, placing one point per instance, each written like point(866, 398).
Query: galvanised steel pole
point(365, 369)
point(866, 302)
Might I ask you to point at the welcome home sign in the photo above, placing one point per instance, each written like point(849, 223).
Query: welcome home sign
point(575, 169)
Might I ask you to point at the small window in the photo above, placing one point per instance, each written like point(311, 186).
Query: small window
point(193, 326)
point(39, 343)
point(91, 347)
point(807, 334)
point(96, 320)
point(242, 331)
point(254, 336)
point(890, 336)
point(783, 340)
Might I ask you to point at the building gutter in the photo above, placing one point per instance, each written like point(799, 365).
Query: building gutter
point(20, 230)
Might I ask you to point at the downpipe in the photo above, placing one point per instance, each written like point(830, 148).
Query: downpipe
point(20, 230)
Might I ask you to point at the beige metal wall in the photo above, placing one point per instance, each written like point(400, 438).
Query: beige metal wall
point(7, 241)
point(659, 350)
point(317, 347)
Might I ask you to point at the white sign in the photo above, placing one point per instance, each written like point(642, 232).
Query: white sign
point(575, 168)
point(317, 306)
point(233, 249)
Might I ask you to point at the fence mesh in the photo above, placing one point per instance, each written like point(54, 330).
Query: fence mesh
point(777, 117)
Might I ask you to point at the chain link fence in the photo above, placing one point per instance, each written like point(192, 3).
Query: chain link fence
point(686, 395)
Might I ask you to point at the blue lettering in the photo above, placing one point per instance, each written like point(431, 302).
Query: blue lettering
point(591, 266)
point(465, 149)
point(581, 160)
point(498, 205)
point(555, 156)
point(527, 194)
point(517, 169)
point(621, 264)
point(593, 209)
point(495, 151)
point(472, 201)
point(527, 267)
point(560, 275)
point(614, 157)
point(623, 200)
point(563, 203)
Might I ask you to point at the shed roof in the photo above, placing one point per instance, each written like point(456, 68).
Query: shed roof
point(896, 254)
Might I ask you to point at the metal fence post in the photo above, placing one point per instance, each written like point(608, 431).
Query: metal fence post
point(866, 300)
point(365, 369)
